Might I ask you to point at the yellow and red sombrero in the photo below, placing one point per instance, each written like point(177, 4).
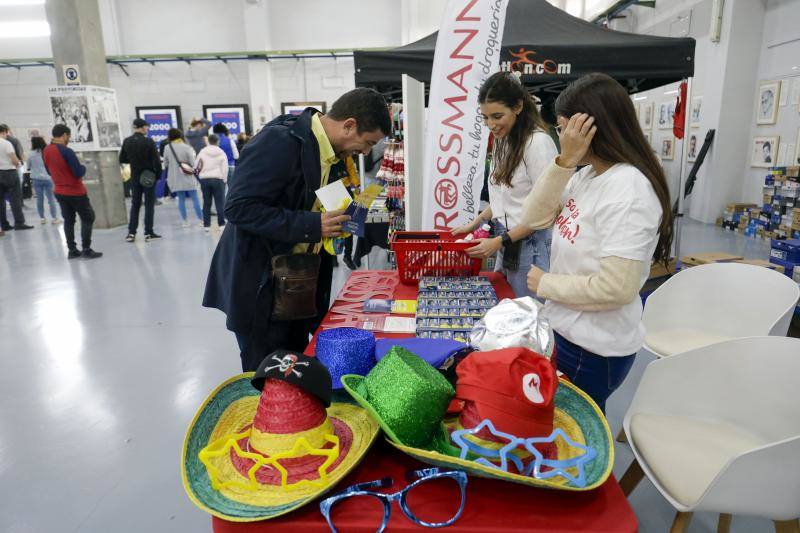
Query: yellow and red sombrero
point(254, 454)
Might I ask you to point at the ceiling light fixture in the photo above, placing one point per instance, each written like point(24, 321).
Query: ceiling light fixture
point(4, 3)
point(24, 28)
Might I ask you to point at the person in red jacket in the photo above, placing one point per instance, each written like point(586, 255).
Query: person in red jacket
point(67, 172)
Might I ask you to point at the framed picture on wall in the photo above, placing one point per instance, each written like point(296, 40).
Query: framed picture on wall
point(295, 108)
point(236, 117)
point(691, 152)
point(161, 118)
point(667, 148)
point(666, 110)
point(646, 115)
point(769, 92)
point(697, 105)
point(796, 160)
point(764, 151)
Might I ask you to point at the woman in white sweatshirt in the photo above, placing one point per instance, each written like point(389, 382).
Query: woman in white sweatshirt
point(612, 217)
point(212, 167)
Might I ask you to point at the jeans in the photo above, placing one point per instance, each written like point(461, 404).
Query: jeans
point(182, 204)
point(136, 203)
point(213, 190)
point(80, 205)
point(535, 251)
point(596, 375)
point(9, 183)
point(45, 188)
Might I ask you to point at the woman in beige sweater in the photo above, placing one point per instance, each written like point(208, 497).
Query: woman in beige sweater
point(612, 217)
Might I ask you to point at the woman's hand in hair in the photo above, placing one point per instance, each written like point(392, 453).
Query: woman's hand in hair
point(576, 138)
point(485, 247)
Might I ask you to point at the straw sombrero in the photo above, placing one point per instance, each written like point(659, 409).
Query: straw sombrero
point(410, 396)
point(253, 454)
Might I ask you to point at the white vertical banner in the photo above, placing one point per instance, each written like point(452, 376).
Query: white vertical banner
point(467, 52)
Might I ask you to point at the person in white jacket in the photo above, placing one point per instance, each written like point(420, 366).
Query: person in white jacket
point(212, 169)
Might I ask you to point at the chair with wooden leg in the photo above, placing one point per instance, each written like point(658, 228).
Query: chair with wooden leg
point(718, 429)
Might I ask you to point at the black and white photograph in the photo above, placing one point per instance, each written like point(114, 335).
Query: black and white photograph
point(666, 110)
point(646, 115)
point(691, 152)
point(764, 151)
point(696, 109)
point(667, 148)
point(769, 92)
point(106, 117)
point(73, 112)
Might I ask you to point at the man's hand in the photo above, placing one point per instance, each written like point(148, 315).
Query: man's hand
point(332, 223)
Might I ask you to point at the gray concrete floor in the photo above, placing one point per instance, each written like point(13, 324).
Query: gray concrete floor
point(103, 364)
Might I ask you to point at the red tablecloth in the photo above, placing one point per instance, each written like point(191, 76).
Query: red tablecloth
point(492, 505)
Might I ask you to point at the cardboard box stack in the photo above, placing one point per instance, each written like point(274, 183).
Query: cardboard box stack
point(786, 253)
point(779, 214)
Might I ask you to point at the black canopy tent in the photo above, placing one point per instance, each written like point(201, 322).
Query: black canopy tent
point(551, 48)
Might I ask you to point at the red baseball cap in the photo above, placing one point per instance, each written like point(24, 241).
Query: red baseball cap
point(514, 388)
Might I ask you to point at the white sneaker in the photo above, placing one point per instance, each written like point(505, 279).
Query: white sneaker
point(186, 225)
point(201, 224)
point(56, 221)
point(207, 229)
point(44, 221)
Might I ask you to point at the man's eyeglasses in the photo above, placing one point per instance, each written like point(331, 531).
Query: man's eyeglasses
point(422, 494)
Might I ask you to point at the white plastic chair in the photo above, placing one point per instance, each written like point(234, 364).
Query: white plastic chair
point(718, 429)
point(712, 303)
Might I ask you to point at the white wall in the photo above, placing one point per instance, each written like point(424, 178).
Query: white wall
point(759, 42)
point(779, 59)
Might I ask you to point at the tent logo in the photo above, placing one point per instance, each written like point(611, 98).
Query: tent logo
point(526, 64)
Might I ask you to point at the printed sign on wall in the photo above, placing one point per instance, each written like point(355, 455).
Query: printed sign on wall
point(90, 113)
point(235, 117)
point(161, 119)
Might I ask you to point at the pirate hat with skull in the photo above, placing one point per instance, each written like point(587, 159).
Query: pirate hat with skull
point(267, 442)
point(300, 370)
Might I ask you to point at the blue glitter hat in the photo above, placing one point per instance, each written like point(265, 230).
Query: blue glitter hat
point(346, 351)
point(435, 352)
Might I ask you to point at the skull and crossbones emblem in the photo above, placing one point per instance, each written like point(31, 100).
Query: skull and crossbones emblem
point(286, 365)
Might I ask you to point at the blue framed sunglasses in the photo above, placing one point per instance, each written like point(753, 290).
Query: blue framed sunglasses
point(417, 478)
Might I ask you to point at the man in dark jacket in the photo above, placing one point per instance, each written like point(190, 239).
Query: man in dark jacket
point(141, 153)
point(271, 208)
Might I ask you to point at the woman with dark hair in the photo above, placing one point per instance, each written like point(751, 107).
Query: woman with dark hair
point(179, 163)
point(42, 183)
point(522, 150)
point(612, 217)
point(227, 146)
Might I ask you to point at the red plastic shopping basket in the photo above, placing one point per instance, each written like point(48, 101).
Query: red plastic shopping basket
point(432, 253)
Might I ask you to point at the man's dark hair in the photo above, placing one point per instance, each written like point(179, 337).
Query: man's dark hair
point(4, 128)
point(367, 106)
point(213, 139)
point(174, 134)
point(60, 129)
point(220, 128)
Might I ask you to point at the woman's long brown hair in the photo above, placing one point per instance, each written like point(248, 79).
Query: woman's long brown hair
point(505, 88)
point(619, 139)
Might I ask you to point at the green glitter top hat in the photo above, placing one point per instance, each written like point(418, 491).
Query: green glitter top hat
point(405, 394)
